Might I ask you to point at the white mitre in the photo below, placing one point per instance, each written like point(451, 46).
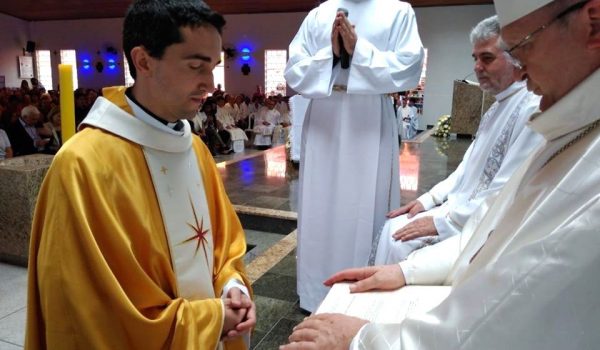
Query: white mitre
point(511, 10)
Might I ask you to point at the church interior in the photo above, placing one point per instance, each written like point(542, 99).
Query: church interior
point(261, 182)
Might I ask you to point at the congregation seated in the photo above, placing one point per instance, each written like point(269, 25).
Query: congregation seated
point(219, 132)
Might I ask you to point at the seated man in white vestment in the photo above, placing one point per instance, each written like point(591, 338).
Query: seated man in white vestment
point(502, 143)
point(264, 123)
point(524, 274)
point(241, 118)
point(283, 127)
point(226, 118)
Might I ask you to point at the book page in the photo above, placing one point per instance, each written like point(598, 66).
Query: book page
point(383, 306)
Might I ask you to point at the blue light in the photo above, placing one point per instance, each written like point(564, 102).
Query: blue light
point(111, 63)
point(86, 63)
point(245, 54)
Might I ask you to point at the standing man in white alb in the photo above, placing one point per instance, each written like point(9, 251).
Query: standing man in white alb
point(349, 167)
point(502, 143)
point(528, 278)
point(408, 114)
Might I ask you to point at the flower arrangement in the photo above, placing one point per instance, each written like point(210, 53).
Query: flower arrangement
point(442, 128)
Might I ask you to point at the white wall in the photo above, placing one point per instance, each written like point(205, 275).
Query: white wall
point(445, 33)
point(14, 34)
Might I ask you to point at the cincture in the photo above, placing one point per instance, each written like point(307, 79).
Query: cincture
point(340, 88)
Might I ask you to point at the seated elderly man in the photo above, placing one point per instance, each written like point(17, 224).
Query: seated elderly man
point(528, 276)
point(24, 135)
point(502, 143)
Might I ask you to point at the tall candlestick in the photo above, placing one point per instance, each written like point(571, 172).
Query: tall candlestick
point(67, 101)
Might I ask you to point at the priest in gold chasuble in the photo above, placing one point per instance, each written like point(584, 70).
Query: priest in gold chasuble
point(135, 244)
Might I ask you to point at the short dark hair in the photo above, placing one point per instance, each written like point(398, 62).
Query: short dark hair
point(155, 25)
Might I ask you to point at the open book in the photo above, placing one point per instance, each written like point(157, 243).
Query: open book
point(383, 306)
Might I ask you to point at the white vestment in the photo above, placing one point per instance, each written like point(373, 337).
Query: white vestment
point(199, 120)
point(298, 107)
point(282, 107)
point(263, 132)
point(281, 133)
point(225, 117)
point(229, 108)
point(534, 283)
point(349, 166)
point(409, 124)
point(253, 108)
point(502, 144)
point(243, 111)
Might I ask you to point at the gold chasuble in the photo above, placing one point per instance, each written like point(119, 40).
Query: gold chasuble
point(133, 240)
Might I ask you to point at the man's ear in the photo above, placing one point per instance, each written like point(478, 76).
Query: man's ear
point(142, 61)
point(519, 74)
point(592, 11)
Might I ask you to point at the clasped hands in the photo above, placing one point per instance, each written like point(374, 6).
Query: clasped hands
point(239, 316)
point(336, 331)
point(343, 27)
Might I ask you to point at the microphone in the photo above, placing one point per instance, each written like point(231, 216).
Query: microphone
point(344, 56)
point(464, 80)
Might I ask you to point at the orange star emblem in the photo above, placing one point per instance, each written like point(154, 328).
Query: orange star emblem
point(199, 233)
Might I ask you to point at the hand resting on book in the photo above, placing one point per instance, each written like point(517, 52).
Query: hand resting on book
point(383, 277)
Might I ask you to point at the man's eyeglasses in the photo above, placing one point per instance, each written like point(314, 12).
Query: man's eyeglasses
point(529, 36)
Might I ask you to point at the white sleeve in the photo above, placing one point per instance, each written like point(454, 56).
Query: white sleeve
point(541, 295)
point(309, 69)
point(233, 283)
point(431, 265)
point(374, 71)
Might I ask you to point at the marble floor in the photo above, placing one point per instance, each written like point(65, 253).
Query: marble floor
point(263, 186)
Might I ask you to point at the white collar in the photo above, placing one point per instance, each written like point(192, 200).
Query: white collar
point(110, 117)
point(511, 90)
point(574, 111)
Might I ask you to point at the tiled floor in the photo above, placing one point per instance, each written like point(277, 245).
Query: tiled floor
point(267, 181)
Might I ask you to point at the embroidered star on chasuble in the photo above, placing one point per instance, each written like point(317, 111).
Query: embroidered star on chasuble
point(199, 233)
